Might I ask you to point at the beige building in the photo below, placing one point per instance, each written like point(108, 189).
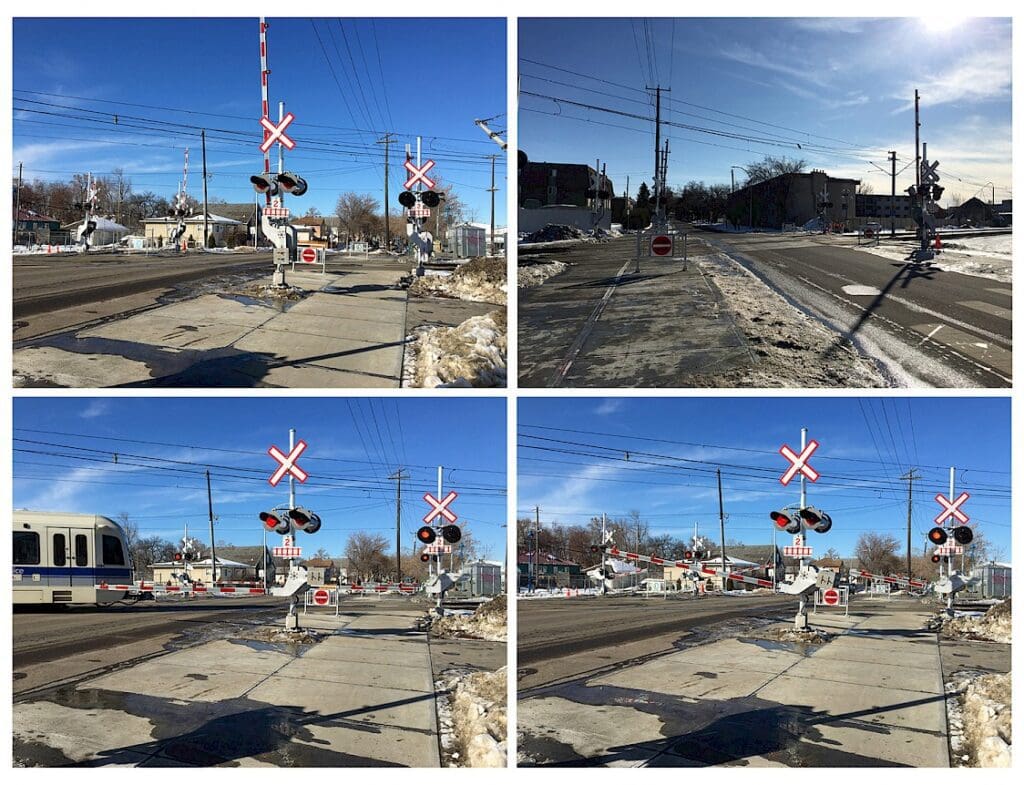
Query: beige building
point(157, 231)
point(235, 564)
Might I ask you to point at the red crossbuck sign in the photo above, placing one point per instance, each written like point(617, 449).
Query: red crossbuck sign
point(275, 133)
point(288, 465)
point(799, 462)
point(440, 507)
point(951, 508)
point(418, 174)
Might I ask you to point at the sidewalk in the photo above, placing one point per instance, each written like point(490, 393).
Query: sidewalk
point(363, 696)
point(349, 333)
point(599, 324)
point(872, 696)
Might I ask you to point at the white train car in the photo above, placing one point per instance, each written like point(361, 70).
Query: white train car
point(61, 558)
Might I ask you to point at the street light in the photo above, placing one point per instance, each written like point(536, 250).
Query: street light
point(750, 188)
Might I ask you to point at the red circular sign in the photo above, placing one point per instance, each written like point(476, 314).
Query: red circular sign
point(309, 255)
point(661, 245)
point(830, 597)
point(321, 596)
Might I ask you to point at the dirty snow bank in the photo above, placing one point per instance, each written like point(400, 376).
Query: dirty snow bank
point(472, 710)
point(489, 622)
point(984, 257)
point(553, 233)
point(531, 274)
point(478, 280)
point(470, 355)
point(781, 338)
point(792, 635)
point(994, 625)
point(980, 719)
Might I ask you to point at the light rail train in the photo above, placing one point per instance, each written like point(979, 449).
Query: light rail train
point(61, 558)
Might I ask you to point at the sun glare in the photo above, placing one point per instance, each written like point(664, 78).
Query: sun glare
point(941, 23)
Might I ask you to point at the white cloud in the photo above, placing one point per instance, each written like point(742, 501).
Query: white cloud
point(96, 408)
point(609, 406)
point(984, 75)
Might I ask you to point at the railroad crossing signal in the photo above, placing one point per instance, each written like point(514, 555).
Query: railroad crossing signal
point(816, 520)
point(279, 523)
point(785, 522)
point(288, 464)
point(951, 509)
point(440, 508)
point(418, 174)
point(275, 133)
point(291, 183)
point(799, 463)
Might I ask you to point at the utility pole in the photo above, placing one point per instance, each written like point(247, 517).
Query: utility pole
point(536, 546)
point(626, 203)
point(398, 477)
point(657, 146)
point(386, 141)
point(213, 546)
point(492, 189)
point(206, 203)
point(910, 476)
point(604, 556)
point(721, 522)
point(892, 202)
point(17, 209)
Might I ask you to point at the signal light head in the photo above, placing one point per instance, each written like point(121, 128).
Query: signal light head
point(816, 520)
point(424, 557)
point(307, 521)
point(783, 521)
point(938, 536)
point(177, 557)
point(687, 555)
point(936, 558)
point(430, 198)
point(265, 183)
point(963, 535)
point(270, 520)
point(292, 184)
point(407, 199)
point(451, 533)
point(426, 534)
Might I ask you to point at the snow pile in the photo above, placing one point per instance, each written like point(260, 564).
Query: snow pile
point(479, 280)
point(552, 233)
point(489, 622)
point(473, 715)
point(470, 355)
point(994, 625)
point(981, 719)
point(791, 635)
point(781, 338)
point(531, 274)
point(984, 257)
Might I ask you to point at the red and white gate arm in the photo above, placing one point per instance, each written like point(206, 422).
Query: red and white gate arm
point(888, 578)
point(732, 576)
point(142, 587)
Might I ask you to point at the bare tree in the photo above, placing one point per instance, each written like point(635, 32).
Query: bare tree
point(770, 167)
point(879, 553)
point(357, 214)
point(367, 555)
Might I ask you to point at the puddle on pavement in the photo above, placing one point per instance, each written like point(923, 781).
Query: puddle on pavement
point(279, 304)
point(279, 647)
point(792, 647)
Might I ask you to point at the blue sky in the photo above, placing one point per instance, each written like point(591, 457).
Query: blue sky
point(865, 445)
point(347, 462)
point(845, 86)
point(439, 75)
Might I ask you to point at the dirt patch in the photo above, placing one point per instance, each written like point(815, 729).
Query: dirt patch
point(489, 622)
point(552, 233)
point(790, 635)
point(474, 354)
point(473, 716)
point(479, 280)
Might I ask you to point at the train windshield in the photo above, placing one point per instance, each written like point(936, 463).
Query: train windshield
point(113, 552)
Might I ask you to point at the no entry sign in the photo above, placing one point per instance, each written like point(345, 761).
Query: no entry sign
point(308, 255)
point(661, 245)
point(830, 597)
point(321, 597)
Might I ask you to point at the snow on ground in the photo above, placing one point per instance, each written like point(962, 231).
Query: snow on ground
point(472, 710)
point(489, 622)
point(993, 625)
point(986, 256)
point(556, 594)
point(784, 340)
point(532, 274)
point(470, 355)
point(479, 280)
point(980, 716)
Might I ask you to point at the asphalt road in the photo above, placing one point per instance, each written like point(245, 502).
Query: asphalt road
point(923, 326)
point(52, 293)
point(57, 644)
point(561, 640)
